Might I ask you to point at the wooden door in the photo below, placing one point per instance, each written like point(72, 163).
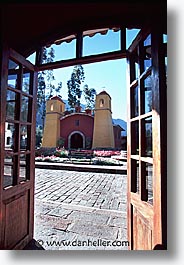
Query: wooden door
point(17, 143)
point(147, 139)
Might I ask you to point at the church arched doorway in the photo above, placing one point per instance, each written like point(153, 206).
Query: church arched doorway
point(76, 140)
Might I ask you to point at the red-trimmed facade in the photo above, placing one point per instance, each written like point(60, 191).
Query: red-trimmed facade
point(117, 136)
point(77, 130)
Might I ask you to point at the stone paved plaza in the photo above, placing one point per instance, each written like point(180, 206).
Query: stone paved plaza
point(80, 210)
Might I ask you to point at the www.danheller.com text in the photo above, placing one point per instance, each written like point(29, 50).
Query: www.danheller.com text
point(83, 243)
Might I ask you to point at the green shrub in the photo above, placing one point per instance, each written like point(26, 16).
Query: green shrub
point(61, 153)
point(60, 142)
point(45, 151)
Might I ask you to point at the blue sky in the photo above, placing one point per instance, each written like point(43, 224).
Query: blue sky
point(108, 75)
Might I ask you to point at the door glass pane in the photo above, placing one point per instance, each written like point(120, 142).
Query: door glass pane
point(164, 38)
point(11, 103)
point(147, 52)
point(8, 176)
point(24, 167)
point(146, 95)
point(136, 70)
point(10, 170)
point(101, 43)
point(135, 187)
point(147, 41)
point(13, 69)
point(134, 102)
point(11, 136)
point(12, 80)
point(26, 81)
point(25, 105)
point(149, 182)
point(63, 50)
point(25, 137)
point(148, 174)
point(32, 58)
point(135, 137)
point(134, 75)
point(130, 36)
point(166, 68)
point(147, 137)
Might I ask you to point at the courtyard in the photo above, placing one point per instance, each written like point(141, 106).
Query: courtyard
point(80, 210)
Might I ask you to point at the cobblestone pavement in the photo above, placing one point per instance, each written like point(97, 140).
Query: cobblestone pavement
point(80, 210)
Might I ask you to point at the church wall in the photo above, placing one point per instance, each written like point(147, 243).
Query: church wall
point(117, 137)
point(76, 122)
point(103, 130)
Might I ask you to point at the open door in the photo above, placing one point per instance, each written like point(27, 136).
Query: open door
point(17, 144)
point(147, 140)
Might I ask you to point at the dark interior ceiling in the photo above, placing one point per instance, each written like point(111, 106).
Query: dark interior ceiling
point(26, 27)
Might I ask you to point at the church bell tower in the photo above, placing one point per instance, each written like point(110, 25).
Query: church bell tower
point(103, 134)
point(55, 108)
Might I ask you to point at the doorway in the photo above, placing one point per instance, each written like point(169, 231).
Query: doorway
point(94, 201)
point(150, 218)
point(76, 141)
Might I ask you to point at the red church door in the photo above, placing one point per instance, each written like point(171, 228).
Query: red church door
point(147, 152)
point(17, 144)
point(76, 141)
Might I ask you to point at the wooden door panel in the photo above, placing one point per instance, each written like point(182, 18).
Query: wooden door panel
point(142, 233)
point(16, 220)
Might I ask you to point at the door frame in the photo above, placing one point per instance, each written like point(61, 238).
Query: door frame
point(18, 196)
point(159, 134)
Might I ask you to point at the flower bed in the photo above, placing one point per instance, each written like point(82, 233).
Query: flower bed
point(106, 153)
point(93, 161)
point(50, 159)
point(100, 157)
point(106, 161)
point(61, 153)
point(45, 151)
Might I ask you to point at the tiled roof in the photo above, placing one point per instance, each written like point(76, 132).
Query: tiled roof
point(56, 98)
point(104, 93)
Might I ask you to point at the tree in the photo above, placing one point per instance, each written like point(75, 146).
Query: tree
point(41, 91)
point(38, 136)
point(58, 89)
point(74, 84)
point(46, 88)
point(148, 94)
point(41, 98)
point(50, 75)
point(89, 95)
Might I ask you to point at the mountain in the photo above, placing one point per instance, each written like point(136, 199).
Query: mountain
point(123, 124)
